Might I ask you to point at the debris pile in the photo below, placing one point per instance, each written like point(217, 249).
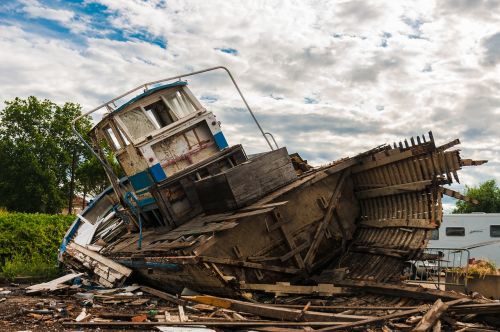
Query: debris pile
point(56, 305)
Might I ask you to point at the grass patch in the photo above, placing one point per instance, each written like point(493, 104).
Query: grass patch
point(29, 243)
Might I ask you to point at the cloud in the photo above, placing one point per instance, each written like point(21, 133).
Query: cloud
point(35, 10)
point(491, 45)
point(328, 79)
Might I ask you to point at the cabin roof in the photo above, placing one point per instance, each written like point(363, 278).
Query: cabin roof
point(150, 92)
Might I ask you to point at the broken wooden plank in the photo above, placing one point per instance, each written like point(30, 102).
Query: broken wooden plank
point(100, 258)
point(386, 223)
point(399, 290)
point(286, 288)
point(394, 190)
point(434, 313)
point(457, 195)
point(328, 216)
point(162, 295)
point(235, 262)
point(202, 323)
point(53, 284)
point(384, 318)
point(470, 162)
point(270, 311)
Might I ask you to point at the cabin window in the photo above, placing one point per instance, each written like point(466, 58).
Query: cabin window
point(112, 140)
point(435, 234)
point(124, 138)
point(137, 123)
point(179, 103)
point(455, 231)
point(495, 230)
point(160, 114)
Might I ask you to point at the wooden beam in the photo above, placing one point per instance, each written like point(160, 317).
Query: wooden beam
point(209, 323)
point(263, 206)
point(294, 252)
point(381, 251)
point(288, 239)
point(162, 295)
point(271, 311)
point(399, 290)
point(386, 223)
point(457, 195)
point(434, 313)
point(389, 159)
point(328, 216)
point(286, 288)
point(470, 162)
point(393, 190)
point(235, 262)
point(381, 318)
point(448, 145)
point(100, 258)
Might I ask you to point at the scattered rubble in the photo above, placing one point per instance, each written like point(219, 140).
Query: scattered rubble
point(57, 306)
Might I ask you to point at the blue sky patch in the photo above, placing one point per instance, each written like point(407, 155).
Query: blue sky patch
point(208, 99)
point(227, 50)
point(309, 100)
point(94, 17)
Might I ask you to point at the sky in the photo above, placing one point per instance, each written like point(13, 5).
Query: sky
point(328, 79)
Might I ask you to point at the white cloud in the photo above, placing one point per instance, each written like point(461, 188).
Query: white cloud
point(379, 72)
point(34, 9)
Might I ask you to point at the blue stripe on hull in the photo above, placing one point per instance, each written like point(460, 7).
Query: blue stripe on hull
point(220, 140)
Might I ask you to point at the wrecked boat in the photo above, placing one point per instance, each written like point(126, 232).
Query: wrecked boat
point(196, 212)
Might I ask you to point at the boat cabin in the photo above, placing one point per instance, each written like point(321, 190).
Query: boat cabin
point(158, 134)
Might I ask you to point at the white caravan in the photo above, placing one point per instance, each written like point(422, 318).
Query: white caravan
point(477, 232)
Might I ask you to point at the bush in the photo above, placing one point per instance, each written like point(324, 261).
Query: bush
point(29, 243)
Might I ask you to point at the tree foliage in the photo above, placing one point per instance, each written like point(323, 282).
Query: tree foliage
point(39, 153)
point(488, 195)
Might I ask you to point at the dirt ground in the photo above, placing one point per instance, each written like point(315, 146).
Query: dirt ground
point(47, 312)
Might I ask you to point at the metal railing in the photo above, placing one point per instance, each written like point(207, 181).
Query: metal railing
point(440, 267)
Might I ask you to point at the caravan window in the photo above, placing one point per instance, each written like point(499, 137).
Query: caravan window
point(495, 230)
point(455, 231)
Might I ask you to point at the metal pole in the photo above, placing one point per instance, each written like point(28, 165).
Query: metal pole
point(272, 136)
point(173, 78)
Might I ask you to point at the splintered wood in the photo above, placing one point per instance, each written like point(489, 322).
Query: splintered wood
point(370, 311)
point(108, 272)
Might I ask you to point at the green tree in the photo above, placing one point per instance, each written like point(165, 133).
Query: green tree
point(488, 195)
point(40, 155)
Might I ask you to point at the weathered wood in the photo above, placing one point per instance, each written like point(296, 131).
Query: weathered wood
point(263, 206)
point(411, 223)
point(470, 162)
point(385, 160)
point(53, 284)
point(457, 195)
point(399, 290)
point(270, 311)
point(381, 251)
point(203, 323)
point(329, 214)
point(393, 190)
point(162, 295)
point(246, 182)
point(286, 288)
point(295, 251)
point(434, 313)
point(288, 238)
point(234, 262)
point(101, 259)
